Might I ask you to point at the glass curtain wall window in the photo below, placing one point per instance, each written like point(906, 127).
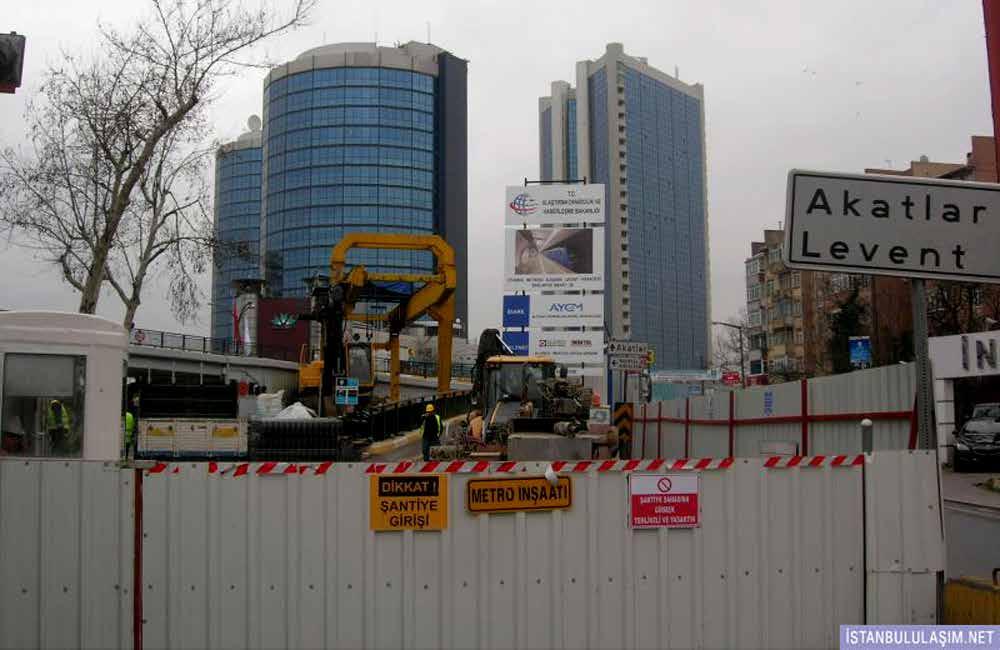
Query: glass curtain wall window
point(348, 150)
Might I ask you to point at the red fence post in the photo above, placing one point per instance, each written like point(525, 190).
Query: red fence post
point(687, 427)
point(913, 425)
point(137, 563)
point(805, 417)
point(659, 437)
point(644, 425)
point(732, 422)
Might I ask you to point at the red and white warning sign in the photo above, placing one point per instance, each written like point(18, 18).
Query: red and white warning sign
point(663, 500)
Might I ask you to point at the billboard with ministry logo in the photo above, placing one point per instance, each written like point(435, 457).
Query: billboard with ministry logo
point(555, 204)
point(554, 238)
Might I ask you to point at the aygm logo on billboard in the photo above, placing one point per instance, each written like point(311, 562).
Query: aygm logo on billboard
point(586, 310)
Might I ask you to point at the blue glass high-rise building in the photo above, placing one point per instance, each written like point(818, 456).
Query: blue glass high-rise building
point(641, 133)
point(359, 138)
point(237, 224)
point(356, 138)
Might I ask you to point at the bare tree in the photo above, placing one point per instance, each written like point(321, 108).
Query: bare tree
point(169, 222)
point(100, 124)
point(726, 345)
point(952, 309)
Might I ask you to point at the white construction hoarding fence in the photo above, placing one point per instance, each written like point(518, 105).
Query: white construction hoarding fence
point(66, 542)
point(898, 226)
point(815, 416)
point(280, 555)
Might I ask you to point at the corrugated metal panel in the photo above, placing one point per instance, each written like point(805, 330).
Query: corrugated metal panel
point(888, 388)
point(288, 561)
point(65, 555)
point(764, 402)
point(659, 439)
point(905, 548)
point(877, 390)
point(281, 561)
point(710, 440)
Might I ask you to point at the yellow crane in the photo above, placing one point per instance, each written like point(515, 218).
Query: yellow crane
point(334, 302)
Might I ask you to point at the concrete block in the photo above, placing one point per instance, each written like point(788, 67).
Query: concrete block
point(547, 446)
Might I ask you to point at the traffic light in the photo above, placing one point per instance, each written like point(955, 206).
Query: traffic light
point(11, 61)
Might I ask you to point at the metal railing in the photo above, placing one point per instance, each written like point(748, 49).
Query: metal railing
point(425, 368)
point(390, 419)
point(226, 346)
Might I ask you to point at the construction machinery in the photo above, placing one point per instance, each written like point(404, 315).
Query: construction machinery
point(525, 408)
point(336, 300)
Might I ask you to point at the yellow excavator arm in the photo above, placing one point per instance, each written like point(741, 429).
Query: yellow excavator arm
point(435, 298)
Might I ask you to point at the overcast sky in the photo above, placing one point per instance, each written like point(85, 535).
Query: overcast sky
point(833, 85)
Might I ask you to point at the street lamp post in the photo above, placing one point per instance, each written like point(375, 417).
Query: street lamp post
point(739, 329)
point(236, 325)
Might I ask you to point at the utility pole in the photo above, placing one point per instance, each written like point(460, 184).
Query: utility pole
point(927, 437)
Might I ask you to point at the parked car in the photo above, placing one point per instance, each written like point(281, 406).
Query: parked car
point(979, 438)
point(986, 410)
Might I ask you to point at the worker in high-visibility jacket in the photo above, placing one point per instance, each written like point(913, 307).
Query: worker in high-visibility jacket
point(59, 425)
point(430, 430)
point(129, 434)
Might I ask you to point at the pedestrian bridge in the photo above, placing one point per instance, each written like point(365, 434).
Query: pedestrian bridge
point(164, 357)
point(171, 365)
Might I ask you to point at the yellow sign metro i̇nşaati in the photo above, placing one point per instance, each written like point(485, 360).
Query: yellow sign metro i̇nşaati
point(518, 494)
point(416, 502)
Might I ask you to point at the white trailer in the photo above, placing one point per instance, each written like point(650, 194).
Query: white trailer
point(74, 359)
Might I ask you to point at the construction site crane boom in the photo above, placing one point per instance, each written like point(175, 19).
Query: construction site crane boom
point(334, 302)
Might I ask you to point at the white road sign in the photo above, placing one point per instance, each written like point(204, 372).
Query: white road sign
point(628, 363)
point(890, 225)
point(628, 348)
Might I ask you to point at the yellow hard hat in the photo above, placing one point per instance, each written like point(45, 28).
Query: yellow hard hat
point(429, 409)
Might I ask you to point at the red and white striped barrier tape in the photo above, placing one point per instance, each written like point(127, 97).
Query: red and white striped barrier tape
point(780, 462)
point(271, 468)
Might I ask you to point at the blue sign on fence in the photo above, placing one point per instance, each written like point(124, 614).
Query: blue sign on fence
point(346, 391)
point(518, 342)
point(768, 403)
point(861, 351)
point(516, 311)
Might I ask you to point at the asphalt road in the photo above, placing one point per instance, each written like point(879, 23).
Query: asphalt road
point(972, 525)
point(410, 447)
